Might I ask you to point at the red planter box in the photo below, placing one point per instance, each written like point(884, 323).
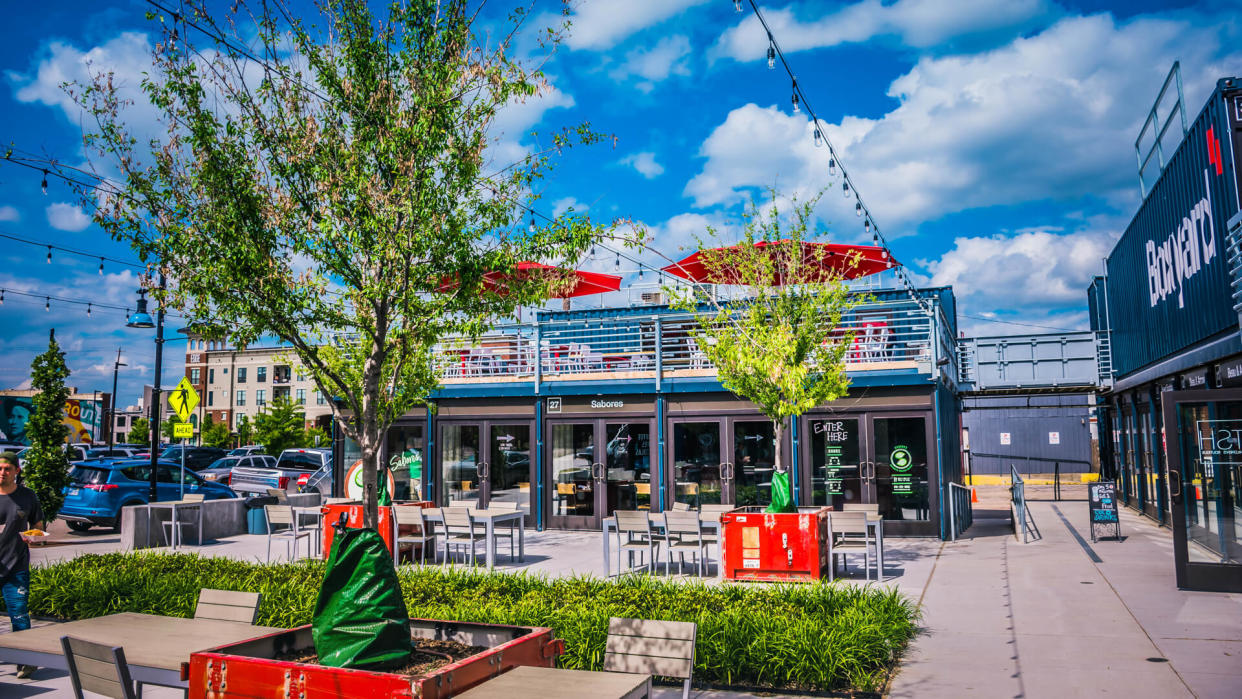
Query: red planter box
point(353, 515)
point(246, 670)
point(785, 547)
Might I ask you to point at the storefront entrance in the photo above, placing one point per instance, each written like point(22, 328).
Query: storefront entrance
point(1205, 470)
point(883, 459)
point(721, 460)
point(486, 462)
point(596, 467)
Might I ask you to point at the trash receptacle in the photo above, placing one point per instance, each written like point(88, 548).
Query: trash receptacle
point(256, 516)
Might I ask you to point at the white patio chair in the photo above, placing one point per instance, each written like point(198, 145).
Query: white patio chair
point(683, 533)
point(422, 536)
point(634, 536)
point(282, 516)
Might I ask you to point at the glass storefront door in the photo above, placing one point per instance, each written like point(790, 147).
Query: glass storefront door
point(1205, 469)
point(748, 473)
point(721, 460)
point(405, 461)
point(899, 471)
point(486, 462)
point(595, 468)
point(838, 475)
point(695, 464)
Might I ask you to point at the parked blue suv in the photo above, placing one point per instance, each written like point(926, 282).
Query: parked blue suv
point(100, 488)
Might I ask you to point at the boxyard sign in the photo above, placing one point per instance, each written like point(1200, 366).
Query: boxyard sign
point(1102, 503)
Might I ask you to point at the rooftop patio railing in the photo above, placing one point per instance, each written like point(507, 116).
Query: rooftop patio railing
point(885, 335)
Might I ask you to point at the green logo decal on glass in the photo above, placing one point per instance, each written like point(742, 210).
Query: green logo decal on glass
point(900, 459)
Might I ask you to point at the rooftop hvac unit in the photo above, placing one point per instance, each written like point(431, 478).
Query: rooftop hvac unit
point(653, 298)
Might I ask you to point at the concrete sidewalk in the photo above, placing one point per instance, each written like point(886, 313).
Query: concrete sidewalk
point(1062, 617)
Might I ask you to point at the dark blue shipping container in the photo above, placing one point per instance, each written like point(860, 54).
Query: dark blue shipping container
point(1168, 282)
point(1095, 304)
point(1033, 433)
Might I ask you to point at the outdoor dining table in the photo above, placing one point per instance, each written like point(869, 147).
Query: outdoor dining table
point(155, 646)
point(176, 531)
point(489, 518)
point(707, 520)
point(530, 682)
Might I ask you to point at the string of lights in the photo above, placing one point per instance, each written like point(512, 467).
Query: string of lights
point(799, 102)
point(48, 298)
point(58, 248)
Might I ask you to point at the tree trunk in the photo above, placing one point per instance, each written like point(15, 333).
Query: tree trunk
point(369, 444)
point(778, 428)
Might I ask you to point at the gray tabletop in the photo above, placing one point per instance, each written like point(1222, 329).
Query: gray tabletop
point(526, 682)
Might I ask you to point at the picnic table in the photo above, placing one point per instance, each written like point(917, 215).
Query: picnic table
point(489, 518)
point(172, 505)
point(155, 646)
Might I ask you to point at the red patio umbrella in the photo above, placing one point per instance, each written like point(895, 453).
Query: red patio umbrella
point(581, 283)
point(822, 261)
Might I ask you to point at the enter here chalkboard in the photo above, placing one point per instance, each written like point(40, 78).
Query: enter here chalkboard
point(1102, 499)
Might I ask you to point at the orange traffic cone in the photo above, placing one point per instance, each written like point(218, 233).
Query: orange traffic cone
point(974, 496)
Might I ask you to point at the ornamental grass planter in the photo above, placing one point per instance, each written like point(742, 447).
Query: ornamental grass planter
point(775, 547)
point(251, 668)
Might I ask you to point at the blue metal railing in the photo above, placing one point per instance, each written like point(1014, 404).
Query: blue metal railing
point(961, 514)
point(1018, 489)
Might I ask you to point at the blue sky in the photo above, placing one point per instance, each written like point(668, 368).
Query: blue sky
point(991, 139)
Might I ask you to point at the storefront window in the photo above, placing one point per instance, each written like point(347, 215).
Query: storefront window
point(459, 462)
point(901, 468)
point(628, 453)
point(405, 461)
point(509, 465)
point(836, 473)
point(754, 460)
point(696, 462)
point(1211, 473)
point(573, 456)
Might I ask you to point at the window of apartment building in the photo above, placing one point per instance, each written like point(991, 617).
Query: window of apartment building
point(120, 420)
point(241, 397)
point(261, 374)
point(301, 396)
point(260, 397)
point(281, 373)
point(241, 374)
point(319, 398)
point(211, 376)
point(301, 374)
point(211, 398)
point(194, 376)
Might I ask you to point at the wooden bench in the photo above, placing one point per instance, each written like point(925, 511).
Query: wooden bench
point(650, 647)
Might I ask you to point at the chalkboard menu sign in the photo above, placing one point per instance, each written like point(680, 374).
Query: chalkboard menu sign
point(1102, 501)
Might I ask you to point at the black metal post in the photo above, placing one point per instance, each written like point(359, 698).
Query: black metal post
point(112, 409)
point(156, 393)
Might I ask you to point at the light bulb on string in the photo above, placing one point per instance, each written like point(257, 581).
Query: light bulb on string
point(819, 139)
point(47, 304)
point(845, 189)
point(832, 167)
point(737, 5)
point(88, 310)
point(531, 227)
point(617, 265)
point(858, 208)
point(794, 99)
point(101, 266)
point(771, 56)
point(1, 297)
point(43, 184)
point(867, 225)
point(640, 272)
point(49, 254)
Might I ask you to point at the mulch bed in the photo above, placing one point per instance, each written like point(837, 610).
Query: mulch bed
point(429, 655)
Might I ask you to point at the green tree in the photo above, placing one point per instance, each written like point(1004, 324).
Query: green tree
point(139, 432)
point(217, 435)
point(245, 431)
point(47, 462)
point(316, 437)
point(343, 187)
point(280, 426)
point(783, 347)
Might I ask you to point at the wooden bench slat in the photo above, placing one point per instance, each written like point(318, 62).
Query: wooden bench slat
point(101, 685)
point(91, 650)
point(89, 667)
point(227, 605)
point(642, 664)
point(653, 647)
point(651, 628)
point(222, 612)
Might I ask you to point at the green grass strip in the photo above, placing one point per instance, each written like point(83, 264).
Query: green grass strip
point(819, 637)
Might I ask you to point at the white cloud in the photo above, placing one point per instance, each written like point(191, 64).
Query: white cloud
point(656, 63)
point(601, 24)
point(514, 122)
point(1046, 117)
point(127, 56)
point(562, 205)
point(67, 217)
point(645, 164)
point(916, 23)
point(9, 214)
point(1038, 271)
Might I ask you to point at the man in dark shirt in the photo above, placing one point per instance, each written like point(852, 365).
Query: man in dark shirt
point(19, 512)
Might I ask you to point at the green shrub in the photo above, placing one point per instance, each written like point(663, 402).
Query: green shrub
point(809, 637)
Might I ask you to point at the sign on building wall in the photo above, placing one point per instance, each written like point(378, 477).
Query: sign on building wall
point(83, 418)
point(1006, 439)
point(1054, 437)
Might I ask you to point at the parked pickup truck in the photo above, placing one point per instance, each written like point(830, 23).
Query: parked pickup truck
point(291, 464)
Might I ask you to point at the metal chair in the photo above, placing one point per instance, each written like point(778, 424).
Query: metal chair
point(282, 496)
point(228, 605)
point(459, 530)
point(683, 533)
point(180, 524)
point(510, 532)
point(861, 507)
point(282, 515)
point(849, 535)
point(648, 647)
point(422, 535)
point(635, 527)
point(103, 672)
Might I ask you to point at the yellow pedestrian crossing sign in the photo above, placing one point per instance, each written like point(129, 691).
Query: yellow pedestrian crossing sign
point(183, 399)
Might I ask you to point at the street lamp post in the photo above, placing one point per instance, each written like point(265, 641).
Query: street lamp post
point(112, 409)
point(142, 319)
